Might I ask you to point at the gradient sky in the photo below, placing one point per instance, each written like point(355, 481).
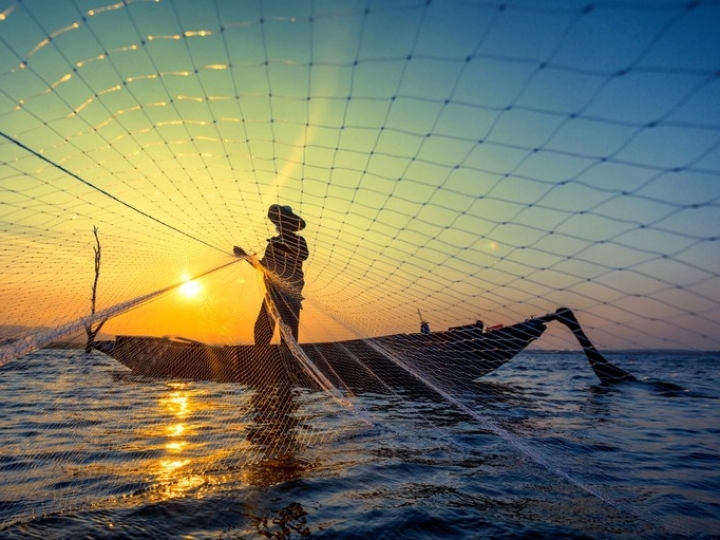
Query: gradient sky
point(474, 160)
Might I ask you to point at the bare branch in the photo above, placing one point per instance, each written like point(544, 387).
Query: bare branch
point(92, 332)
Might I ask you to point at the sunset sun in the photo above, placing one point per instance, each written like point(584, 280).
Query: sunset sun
point(190, 288)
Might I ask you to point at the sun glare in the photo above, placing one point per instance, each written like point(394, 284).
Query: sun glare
point(190, 289)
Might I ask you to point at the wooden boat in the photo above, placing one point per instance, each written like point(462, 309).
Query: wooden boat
point(457, 356)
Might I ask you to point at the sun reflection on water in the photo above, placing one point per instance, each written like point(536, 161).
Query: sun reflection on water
point(176, 473)
point(201, 441)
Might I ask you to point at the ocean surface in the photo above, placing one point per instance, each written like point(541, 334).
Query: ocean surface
point(542, 450)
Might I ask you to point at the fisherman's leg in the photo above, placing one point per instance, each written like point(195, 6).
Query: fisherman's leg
point(290, 314)
point(294, 320)
point(264, 327)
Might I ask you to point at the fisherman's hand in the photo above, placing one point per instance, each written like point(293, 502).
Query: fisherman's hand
point(239, 252)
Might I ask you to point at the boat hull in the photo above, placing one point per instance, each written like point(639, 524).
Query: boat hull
point(376, 365)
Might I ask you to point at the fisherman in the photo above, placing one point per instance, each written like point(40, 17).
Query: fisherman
point(284, 278)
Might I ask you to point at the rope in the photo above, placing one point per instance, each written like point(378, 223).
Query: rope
point(107, 194)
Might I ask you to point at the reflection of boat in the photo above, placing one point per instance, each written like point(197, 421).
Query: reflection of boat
point(376, 364)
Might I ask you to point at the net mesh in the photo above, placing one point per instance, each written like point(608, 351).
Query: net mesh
point(453, 161)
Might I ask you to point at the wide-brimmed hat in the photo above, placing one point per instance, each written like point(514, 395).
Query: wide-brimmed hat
point(285, 218)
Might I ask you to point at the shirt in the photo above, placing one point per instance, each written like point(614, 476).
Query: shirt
point(284, 256)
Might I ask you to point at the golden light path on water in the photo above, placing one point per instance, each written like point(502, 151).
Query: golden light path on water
point(191, 451)
point(176, 472)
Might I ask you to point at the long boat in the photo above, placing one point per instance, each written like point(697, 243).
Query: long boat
point(459, 356)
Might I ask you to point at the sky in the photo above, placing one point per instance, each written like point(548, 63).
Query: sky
point(468, 159)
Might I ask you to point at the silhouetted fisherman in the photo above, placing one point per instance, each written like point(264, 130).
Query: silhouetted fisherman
point(284, 278)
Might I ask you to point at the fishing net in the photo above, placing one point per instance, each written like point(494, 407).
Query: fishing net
point(457, 164)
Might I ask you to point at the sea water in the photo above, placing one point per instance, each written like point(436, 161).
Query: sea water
point(546, 452)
